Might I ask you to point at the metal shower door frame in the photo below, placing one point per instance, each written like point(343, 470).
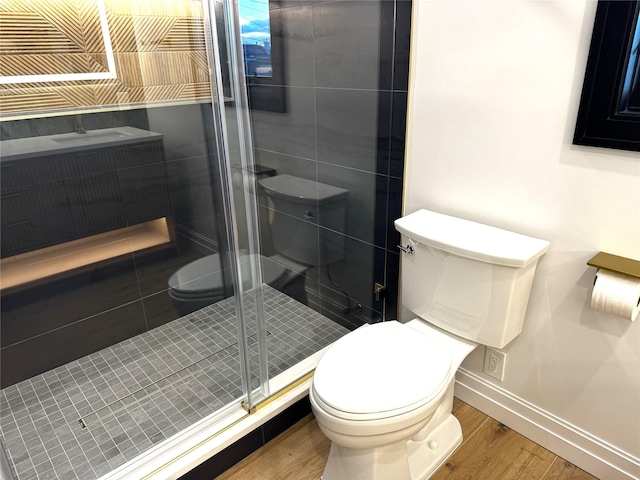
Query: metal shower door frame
point(244, 145)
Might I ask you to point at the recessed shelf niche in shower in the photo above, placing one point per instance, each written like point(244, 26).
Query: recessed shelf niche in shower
point(63, 258)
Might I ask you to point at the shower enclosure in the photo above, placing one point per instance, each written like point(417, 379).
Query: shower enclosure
point(197, 198)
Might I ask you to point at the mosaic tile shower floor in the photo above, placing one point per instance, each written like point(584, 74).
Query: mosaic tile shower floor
point(85, 418)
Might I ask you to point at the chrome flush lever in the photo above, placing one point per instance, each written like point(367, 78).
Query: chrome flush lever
point(408, 249)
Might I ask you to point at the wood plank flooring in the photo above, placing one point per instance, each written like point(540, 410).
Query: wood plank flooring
point(489, 451)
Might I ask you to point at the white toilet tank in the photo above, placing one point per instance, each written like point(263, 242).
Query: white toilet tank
point(467, 278)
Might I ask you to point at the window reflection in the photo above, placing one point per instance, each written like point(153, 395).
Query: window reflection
point(256, 37)
point(630, 101)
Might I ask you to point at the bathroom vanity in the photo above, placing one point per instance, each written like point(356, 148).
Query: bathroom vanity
point(62, 188)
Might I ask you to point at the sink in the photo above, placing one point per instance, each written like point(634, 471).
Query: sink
point(59, 143)
point(91, 137)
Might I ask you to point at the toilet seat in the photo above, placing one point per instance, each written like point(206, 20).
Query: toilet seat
point(203, 278)
point(380, 371)
point(200, 278)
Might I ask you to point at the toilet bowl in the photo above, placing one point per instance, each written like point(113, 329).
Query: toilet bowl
point(201, 282)
point(386, 406)
point(383, 394)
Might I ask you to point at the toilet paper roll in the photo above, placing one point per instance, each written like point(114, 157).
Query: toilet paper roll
point(617, 294)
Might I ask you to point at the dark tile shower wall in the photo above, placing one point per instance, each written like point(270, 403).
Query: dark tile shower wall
point(54, 323)
point(345, 90)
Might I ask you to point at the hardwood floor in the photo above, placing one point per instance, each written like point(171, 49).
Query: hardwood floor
point(489, 451)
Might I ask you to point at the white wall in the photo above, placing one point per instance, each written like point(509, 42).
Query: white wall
point(494, 95)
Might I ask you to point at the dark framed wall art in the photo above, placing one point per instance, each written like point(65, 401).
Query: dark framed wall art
point(609, 113)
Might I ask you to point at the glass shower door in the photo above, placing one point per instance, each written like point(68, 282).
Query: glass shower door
point(120, 258)
point(261, 152)
point(285, 225)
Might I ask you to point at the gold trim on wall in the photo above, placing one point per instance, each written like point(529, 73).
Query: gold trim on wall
point(158, 48)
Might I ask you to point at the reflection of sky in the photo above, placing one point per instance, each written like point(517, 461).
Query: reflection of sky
point(254, 20)
point(634, 59)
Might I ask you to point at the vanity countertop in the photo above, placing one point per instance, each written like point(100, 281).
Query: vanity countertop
point(72, 142)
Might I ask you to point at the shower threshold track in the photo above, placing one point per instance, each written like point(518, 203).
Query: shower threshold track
point(88, 417)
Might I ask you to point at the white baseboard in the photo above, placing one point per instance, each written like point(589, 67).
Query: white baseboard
point(584, 450)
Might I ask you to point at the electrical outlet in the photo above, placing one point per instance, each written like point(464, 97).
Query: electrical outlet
point(494, 363)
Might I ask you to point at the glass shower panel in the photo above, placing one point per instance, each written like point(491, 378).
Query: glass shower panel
point(289, 221)
point(160, 187)
point(326, 110)
point(119, 321)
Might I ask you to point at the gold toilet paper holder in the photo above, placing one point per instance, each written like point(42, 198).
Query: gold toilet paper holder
point(616, 263)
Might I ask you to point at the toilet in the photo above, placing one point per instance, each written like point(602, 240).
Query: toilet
point(296, 206)
point(294, 209)
point(383, 394)
point(202, 282)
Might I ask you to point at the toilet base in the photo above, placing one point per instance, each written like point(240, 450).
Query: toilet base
point(413, 459)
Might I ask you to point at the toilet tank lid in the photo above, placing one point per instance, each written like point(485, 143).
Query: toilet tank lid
point(471, 239)
point(302, 190)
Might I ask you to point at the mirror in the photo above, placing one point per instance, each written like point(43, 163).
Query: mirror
point(49, 39)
